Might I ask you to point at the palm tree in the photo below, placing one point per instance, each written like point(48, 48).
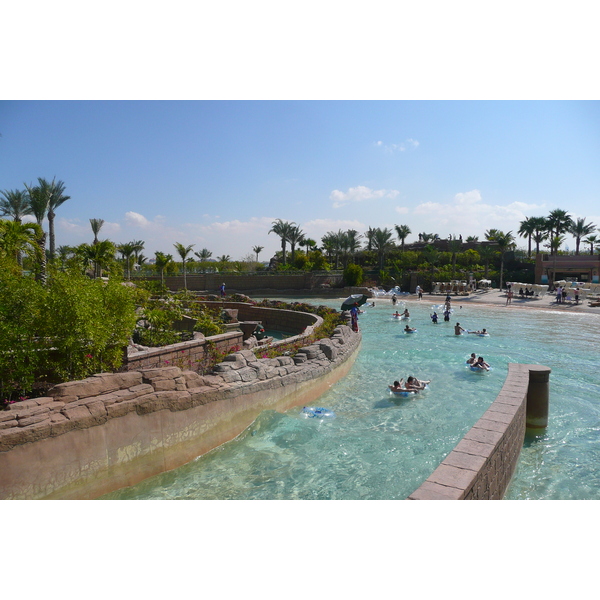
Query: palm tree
point(505, 242)
point(162, 261)
point(138, 246)
point(204, 254)
point(96, 227)
point(527, 228)
point(557, 223)
point(402, 231)
point(351, 242)
point(472, 238)
point(382, 242)
point(591, 240)
point(15, 204)
point(486, 253)
point(431, 255)
point(57, 197)
point(282, 229)
point(580, 229)
point(307, 243)
point(17, 238)
point(39, 199)
point(100, 254)
point(540, 232)
point(369, 234)
point(183, 251)
point(294, 237)
point(127, 250)
point(454, 246)
point(257, 250)
point(332, 243)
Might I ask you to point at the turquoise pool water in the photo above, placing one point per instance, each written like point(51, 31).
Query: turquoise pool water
point(383, 447)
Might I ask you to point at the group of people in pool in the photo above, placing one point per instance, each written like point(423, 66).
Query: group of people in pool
point(477, 363)
point(412, 385)
point(458, 330)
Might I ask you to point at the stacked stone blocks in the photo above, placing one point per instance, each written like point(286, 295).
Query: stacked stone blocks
point(96, 400)
point(481, 465)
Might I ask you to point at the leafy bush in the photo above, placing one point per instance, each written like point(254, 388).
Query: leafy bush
point(68, 329)
point(353, 275)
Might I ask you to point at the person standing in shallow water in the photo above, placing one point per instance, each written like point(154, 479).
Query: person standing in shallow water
point(458, 329)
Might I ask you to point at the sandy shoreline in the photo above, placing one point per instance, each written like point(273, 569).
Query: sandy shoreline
point(497, 298)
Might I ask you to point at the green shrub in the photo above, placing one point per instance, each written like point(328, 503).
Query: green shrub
point(353, 275)
point(68, 329)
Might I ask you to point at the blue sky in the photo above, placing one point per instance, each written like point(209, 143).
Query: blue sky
point(217, 173)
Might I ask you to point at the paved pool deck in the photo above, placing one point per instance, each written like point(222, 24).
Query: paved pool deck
point(494, 297)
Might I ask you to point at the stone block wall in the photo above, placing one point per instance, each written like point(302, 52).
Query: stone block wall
point(192, 354)
point(112, 430)
point(481, 465)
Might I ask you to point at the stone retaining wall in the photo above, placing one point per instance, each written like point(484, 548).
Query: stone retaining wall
point(193, 354)
point(113, 430)
point(481, 465)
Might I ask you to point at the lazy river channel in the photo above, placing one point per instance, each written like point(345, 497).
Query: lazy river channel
point(384, 447)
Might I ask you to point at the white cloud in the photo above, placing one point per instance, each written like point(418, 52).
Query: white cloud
point(400, 147)
point(134, 219)
point(468, 214)
point(402, 210)
point(359, 194)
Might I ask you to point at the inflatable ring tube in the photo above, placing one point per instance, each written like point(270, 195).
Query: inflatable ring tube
point(415, 331)
point(404, 393)
point(483, 334)
point(317, 413)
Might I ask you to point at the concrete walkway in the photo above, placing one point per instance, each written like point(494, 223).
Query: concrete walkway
point(494, 297)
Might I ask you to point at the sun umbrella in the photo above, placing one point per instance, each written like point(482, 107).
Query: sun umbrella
point(350, 301)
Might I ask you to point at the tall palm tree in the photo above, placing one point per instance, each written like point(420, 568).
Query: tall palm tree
point(333, 243)
point(15, 204)
point(382, 243)
point(204, 254)
point(592, 240)
point(557, 223)
point(505, 242)
point(454, 247)
point(57, 197)
point(295, 236)
point(351, 242)
point(162, 262)
point(402, 231)
point(527, 228)
point(127, 250)
point(580, 229)
point(257, 250)
point(282, 229)
point(431, 255)
point(369, 234)
point(486, 253)
point(39, 199)
point(183, 251)
point(96, 227)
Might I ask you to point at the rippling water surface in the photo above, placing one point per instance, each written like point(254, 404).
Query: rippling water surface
point(382, 447)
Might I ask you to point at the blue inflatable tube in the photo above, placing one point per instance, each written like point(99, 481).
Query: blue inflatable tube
point(317, 413)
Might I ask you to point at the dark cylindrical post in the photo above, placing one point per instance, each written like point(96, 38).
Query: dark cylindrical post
point(538, 398)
